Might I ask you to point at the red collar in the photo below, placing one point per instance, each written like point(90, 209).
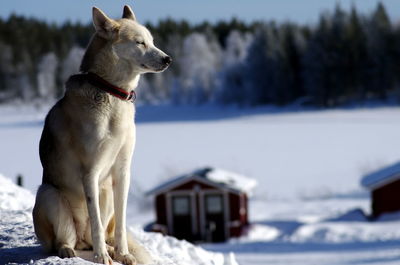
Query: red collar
point(99, 82)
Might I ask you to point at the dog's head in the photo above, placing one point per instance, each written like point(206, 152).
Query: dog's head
point(131, 42)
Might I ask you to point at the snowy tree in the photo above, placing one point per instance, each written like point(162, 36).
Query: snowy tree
point(15, 77)
point(175, 92)
point(71, 63)
point(22, 80)
point(143, 92)
point(237, 45)
point(199, 63)
point(263, 66)
point(46, 76)
point(344, 57)
point(155, 88)
point(232, 73)
point(231, 89)
point(24, 86)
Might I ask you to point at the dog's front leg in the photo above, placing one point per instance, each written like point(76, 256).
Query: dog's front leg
point(121, 181)
point(91, 189)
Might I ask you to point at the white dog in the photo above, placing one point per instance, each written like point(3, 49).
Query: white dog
point(87, 144)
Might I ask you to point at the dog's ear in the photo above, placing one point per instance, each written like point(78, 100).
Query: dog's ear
point(128, 13)
point(105, 26)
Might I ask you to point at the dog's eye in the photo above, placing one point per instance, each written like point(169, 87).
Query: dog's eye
point(140, 43)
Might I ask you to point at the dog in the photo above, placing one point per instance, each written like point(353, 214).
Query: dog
point(87, 144)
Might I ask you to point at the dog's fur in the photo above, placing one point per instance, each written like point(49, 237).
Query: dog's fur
point(87, 145)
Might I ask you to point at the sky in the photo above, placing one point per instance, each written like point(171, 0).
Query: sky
point(301, 11)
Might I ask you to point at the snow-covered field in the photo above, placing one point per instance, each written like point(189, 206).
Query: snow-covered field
point(308, 165)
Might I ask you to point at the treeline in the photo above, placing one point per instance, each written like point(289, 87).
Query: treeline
point(344, 57)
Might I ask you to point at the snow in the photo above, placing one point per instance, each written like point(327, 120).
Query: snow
point(356, 215)
point(381, 176)
point(346, 232)
point(18, 243)
point(258, 232)
point(231, 179)
point(13, 197)
point(308, 206)
point(330, 149)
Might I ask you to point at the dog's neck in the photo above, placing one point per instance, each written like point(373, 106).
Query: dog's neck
point(127, 82)
point(101, 60)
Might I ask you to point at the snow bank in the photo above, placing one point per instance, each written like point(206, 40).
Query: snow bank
point(13, 197)
point(258, 233)
point(169, 251)
point(18, 243)
point(347, 232)
point(355, 215)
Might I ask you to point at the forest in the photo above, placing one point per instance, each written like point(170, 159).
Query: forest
point(346, 57)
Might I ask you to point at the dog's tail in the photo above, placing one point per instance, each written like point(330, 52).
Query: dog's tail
point(138, 251)
point(135, 248)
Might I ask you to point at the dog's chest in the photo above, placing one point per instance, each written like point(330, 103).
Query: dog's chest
point(109, 130)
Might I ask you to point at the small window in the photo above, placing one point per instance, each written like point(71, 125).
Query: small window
point(181, 205)
point(214, 204)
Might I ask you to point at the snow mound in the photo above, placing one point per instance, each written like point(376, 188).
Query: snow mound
point(18, 244)
point(168, 250)
point(13, 197)
point(347, 232)
point(355, 215)
point(258, 233)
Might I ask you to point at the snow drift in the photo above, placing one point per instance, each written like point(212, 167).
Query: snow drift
point(18, 244)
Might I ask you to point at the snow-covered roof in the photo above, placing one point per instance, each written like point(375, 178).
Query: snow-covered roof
point(215, 176)
point(381, 177)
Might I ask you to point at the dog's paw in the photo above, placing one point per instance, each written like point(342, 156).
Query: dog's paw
point(111, 251)
point(102, 258)
point(127, 259)
point(66, 252)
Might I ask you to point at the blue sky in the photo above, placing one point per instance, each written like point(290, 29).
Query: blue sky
point(302, 11)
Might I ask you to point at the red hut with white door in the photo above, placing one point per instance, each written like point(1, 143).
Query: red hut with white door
point(208, 205)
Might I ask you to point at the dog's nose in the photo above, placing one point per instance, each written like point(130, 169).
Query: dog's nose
point(167, 60)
